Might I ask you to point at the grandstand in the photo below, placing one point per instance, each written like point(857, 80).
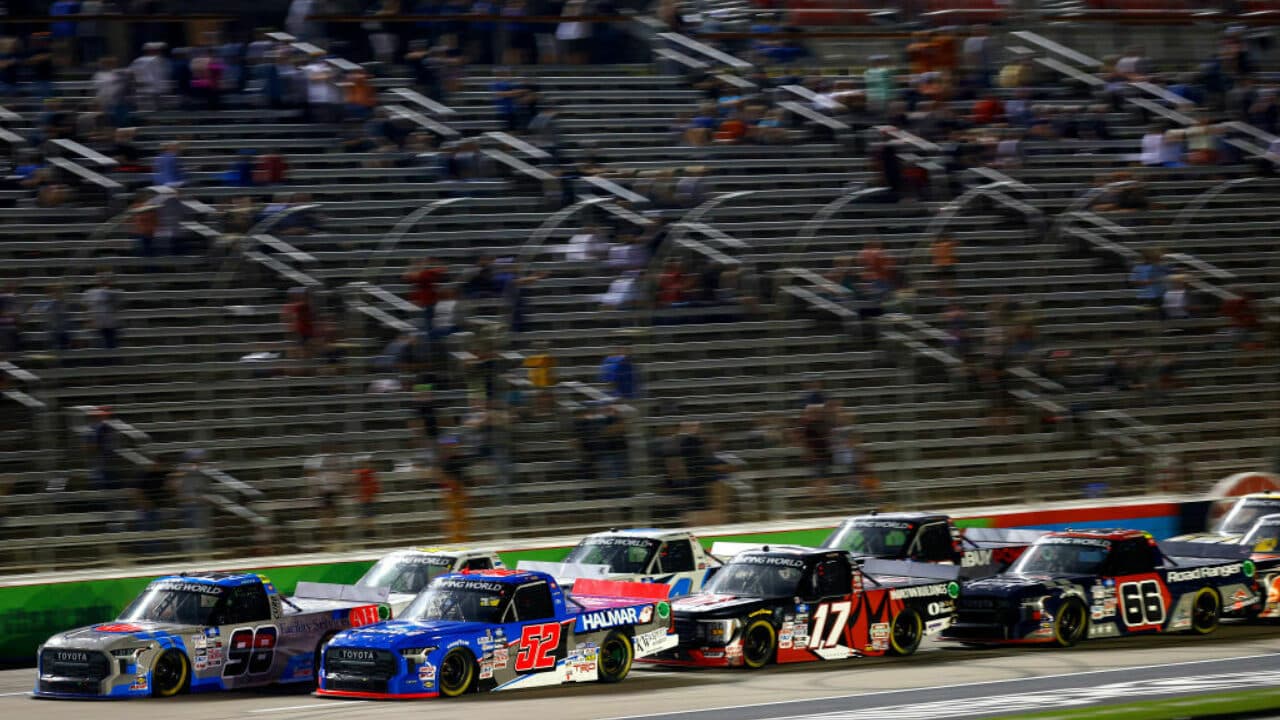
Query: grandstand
point(1045, 248)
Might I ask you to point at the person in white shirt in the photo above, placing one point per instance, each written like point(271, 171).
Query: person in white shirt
point(1152, 143)
point(1175, 303)
point(151, 76)
point(324, 100)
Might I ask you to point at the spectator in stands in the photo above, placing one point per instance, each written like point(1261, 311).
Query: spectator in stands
point(151, 500)
point(1202, 142)
point(514, 282)
point(324, 98)
point(674, 285)
point(1149, 278)
point(324, 478)
point(1242, 318)
point(943, 253)
point(619, 372)
point(189, 484)
point(541, 366)
point(506, 93)
point(55, 311)
point(39, 62)
point(152, 76)
point(987, 111)
point(146, 218)
point(10, 320)
point(168, 166)
point(1121, 371)
point(10, 65)
point(1176, 305)
point(207, 70)
point(879, 82)
point(367, 489)
point(103, 302)
point(1134, 65)
point(814, 436)
point(451, 471)
point(877, 268)
point(272, 169)
point(298, 315)
point(426, 277)
point(545, 131)
point(111, 91)
point(298, 25)
point(625, 291)
point(574, 37)
point(359, 95)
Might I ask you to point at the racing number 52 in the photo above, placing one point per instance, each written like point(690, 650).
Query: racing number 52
point(538, 645)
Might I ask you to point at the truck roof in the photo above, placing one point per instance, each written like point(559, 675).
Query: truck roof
point(1113, 534)
point(505, 576)
point(649, 533)
point(443, 550)
point(219, 579)
point(798, 551)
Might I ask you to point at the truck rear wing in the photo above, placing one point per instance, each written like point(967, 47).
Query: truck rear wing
point(348, 593)
point(906, 568)
point(566, 573)
point(1173, 550)
point(620, 590)
point(991, 537)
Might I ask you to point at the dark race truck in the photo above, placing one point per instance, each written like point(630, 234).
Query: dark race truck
point(1105, 583)
point(790, 604)
point(932, 538)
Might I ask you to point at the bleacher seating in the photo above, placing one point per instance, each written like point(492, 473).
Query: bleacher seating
point(190, 320)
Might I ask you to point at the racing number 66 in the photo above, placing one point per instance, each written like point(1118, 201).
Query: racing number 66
point(538, 645)
point(1142, 603)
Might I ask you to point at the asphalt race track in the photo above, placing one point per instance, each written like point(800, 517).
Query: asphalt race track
point(941, 681)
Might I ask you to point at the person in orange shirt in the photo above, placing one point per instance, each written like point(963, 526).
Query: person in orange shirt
point(359, 95)
point(542, 375)
point(944, 263)
point(732, 130)
point(920, 53)
point(987, 110)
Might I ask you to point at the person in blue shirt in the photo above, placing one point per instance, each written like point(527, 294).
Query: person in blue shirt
point(168, 167)
point(619, 372)
point(1149, 278)
point(505, 92)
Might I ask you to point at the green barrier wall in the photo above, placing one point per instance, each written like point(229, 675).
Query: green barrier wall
point(29, 614)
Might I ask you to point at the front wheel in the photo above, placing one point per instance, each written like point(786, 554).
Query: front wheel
point(1070, 625)
point(171, 675)
point(905, 632)
point(759, 641)
point(616, 655)
point(457, 673)
point(1205, 610)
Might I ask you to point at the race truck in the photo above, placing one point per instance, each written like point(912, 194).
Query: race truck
point(405, 573)
point(1262, 541)
point(932, 538)
point(671, 557)
point(1103, 583)
point(1239, 520)
point(203, 631)
point(790, 604)
point(500, 630)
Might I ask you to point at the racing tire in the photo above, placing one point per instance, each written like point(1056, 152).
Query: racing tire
point(759, 643)
point(171, 675)
point(905, 632)
point(1071, 624)
point(1206, 610)
point(616, 655)
point(457, 673)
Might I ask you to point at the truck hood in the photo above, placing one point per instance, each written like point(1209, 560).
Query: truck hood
point(113, 635)
point(399, 634)
point(712, 605)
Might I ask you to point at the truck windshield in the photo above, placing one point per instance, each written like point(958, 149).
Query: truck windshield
point(193, 604)
point(1071, 557)
point(630, 555)
point(464, 600)
point(758, 576)
point(876, 538)
point(1246, 513)
point(406, 573)
point(1265, 535)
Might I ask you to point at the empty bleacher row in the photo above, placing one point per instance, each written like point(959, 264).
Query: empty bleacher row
point(927, 434)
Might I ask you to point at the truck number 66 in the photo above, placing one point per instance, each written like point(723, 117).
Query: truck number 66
point(1142, 602)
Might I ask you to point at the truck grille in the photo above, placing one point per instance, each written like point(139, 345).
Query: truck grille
point(690, 631)
point(359, 669)
point(73, 671)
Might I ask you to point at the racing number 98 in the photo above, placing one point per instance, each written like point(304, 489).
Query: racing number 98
point(250, 651)
point(538, 645)
point(1142, 602)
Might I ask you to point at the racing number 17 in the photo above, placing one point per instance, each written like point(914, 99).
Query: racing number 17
point(538, 645)
point(839, 613)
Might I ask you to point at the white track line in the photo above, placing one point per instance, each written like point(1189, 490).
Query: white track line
point(24, 692)
point(314, 706)
point(690, 711)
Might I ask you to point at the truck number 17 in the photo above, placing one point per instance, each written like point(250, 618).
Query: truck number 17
point(839, 614)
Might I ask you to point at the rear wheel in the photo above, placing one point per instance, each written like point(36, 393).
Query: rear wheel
point(1205, 610)
point(457, 673)
point(1070, 625)
point(171, 675)
point(615, 657)
point(759, 641)
point(905, 632)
